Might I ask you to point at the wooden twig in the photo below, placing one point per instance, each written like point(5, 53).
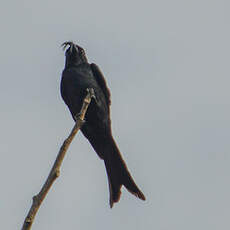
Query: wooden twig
point(55, 171)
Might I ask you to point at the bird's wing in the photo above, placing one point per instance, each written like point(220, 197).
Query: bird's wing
point(101, 81)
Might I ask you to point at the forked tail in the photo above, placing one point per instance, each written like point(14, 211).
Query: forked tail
point(118, 173)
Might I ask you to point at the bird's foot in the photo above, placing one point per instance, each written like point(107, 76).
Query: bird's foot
point(92, 93)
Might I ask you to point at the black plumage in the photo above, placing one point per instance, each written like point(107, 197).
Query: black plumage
point(77, 76)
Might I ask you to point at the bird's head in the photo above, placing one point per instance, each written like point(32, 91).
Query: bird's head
point(75, 54)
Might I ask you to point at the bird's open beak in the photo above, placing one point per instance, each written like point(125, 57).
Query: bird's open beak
point(71, 45)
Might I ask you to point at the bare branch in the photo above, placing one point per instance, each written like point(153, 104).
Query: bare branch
point(55, 171)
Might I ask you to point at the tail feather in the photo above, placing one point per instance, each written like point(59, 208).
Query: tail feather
point(116, 168)
point(118, 174)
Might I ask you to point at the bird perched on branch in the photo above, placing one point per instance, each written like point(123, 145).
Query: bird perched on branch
point(78, 76)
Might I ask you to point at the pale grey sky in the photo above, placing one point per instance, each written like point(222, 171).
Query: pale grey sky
point(167, 65)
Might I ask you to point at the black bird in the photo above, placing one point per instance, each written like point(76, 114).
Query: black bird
point(78, 75)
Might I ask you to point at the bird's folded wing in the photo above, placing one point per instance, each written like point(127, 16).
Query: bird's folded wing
point(101, 81)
